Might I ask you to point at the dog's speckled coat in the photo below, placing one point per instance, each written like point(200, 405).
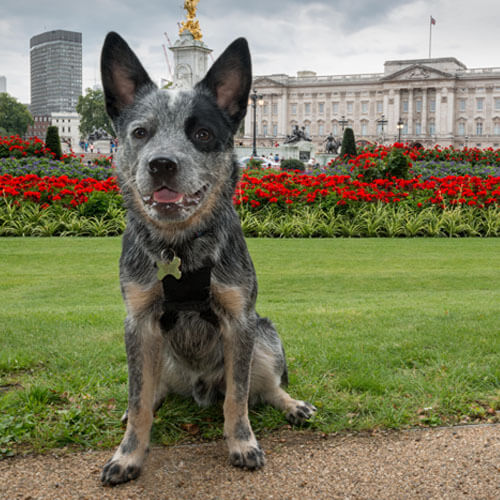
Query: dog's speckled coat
point(177, 173)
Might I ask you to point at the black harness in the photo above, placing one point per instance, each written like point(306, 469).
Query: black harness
point(190, 292)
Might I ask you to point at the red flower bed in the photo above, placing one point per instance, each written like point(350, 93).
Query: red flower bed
point(327, 190)
point(281, 190)
point(49, 190)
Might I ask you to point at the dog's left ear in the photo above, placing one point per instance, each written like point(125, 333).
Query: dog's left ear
point(229, 80)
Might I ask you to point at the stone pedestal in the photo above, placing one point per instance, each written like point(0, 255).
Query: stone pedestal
point(190, 60)
point(299, 150)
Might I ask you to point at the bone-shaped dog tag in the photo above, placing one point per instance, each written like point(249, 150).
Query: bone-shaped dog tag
point(169, 268)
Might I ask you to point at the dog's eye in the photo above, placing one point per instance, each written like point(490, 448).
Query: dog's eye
point(140, 133)
point(202, 135)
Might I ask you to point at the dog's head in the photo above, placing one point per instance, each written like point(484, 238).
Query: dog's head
point(175, 146)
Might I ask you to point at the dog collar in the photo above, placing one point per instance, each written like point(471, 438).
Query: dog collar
point(184, 291)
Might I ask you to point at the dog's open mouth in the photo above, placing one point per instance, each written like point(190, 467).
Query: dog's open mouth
point(170, 202)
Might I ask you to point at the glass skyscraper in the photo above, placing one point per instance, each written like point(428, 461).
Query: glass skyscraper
point(56, 72)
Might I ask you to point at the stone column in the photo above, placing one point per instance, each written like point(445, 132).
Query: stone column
point(397, 107)
point(410, 112)
point(283, 115)
point(451, 112)
point(425, 132)
point(439, 130)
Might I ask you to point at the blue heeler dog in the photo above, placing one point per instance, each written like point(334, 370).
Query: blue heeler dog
point(186, 277)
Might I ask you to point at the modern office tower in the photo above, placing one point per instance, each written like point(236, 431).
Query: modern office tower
point(56, 72)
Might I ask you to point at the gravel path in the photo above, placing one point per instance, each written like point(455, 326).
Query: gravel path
point(454, 463)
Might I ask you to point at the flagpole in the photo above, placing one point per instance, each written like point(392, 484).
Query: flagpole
point(430, 36)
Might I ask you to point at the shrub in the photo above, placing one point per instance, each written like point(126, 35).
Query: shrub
point(398, 164)
point(292, 164)
point(254, 163)
point(53, 142)
point(348, 143)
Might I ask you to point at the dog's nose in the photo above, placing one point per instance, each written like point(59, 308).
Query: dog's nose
point(159, 165)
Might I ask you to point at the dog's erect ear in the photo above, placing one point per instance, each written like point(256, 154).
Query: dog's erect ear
point(230, 78)
point(122, 74)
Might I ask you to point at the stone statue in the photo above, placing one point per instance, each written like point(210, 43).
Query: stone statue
point(297, 135)
point(98, 134)
point(191, 24)
point(332, 145)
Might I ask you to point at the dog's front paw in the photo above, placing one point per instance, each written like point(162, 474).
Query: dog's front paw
point(248, 457)
point(300, 412)
point(115, 472)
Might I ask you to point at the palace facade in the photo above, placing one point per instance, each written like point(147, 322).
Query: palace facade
point(436, 101)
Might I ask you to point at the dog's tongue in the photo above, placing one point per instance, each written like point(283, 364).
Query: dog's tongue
point(164, 195)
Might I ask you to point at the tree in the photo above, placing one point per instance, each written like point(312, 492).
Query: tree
point(14, 116)
point(53, 142)
point(92, 111)
point(348, 144)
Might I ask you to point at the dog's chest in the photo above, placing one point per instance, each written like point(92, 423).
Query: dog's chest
point(194, 342)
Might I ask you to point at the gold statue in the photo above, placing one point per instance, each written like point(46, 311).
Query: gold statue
point(191, 24)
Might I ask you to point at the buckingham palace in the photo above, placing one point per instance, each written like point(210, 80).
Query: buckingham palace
point(436, 102)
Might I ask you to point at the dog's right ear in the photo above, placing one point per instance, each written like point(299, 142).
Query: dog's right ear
point(123, 76)
point(229, 80)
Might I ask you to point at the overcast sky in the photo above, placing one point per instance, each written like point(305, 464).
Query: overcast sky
point(330, 37)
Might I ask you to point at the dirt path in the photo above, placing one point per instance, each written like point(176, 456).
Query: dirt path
point(454, 463)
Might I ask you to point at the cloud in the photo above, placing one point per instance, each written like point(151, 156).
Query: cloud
point(326, 36)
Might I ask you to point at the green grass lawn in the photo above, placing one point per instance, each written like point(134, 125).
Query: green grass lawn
point(378, 333)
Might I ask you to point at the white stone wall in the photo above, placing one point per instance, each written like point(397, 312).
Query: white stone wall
point(426, 94)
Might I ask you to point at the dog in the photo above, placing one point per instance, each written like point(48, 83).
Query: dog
point(186, 276)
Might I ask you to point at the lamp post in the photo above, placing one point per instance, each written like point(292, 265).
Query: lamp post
point(254, 98)
point(400, 126)
point(382, 121)
point(343, 122)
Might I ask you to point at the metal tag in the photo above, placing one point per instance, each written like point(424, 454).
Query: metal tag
point(169, 268)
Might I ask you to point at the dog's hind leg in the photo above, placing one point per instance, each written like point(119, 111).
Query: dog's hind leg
point(144, 353)
point(269, 371)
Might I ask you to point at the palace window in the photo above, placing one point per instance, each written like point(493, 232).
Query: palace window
point(479, 104)
point(405, 106)
point(418, 128)
point(335, 107)
point(321, 129)
point(496, 128)
point(307, 108)
point(364, 128)
point(461, 104)
point(349, 107)
point(418, 105)
point(497, 103)
point(364, 107)
point(432, 127)
point(479, 128)
point(432, 105)
point(275, 109)
point(264, 129)
point(461, 128)
point(335, 129)
point(294, 109)
point(380, 107)
point(275, 129)
point(321, 107)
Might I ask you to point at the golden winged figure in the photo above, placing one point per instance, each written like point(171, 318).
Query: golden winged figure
point(191, 24)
